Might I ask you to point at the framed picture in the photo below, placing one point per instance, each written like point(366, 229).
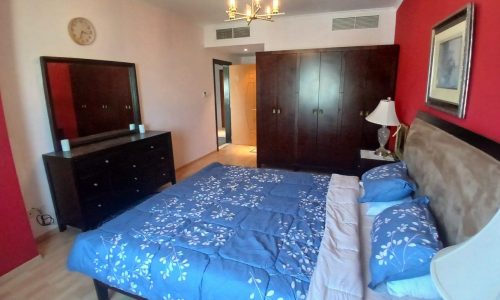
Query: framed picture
point(449, 65)
point(399, 146)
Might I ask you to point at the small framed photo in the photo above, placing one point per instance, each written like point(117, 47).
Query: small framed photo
point(450, 59)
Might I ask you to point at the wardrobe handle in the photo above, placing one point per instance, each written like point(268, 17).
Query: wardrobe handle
point(361, 113)
point(320, 111)
point(279, 111)
point(274, 111)
point(315, 111)
point(367, 113)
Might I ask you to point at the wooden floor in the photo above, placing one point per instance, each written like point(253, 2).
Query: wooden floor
point(46, 277)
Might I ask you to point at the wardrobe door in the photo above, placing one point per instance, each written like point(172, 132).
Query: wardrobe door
point(267, 74)
point(353, 93)
point(381, 72)
point(328, 109)
point(286, 90)
point(307, 118)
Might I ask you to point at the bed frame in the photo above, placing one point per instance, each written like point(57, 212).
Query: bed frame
point(456, 168)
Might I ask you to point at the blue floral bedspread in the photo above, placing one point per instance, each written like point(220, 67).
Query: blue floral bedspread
point(225, 233)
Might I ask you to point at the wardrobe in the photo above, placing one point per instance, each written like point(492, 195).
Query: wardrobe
point(312, 104)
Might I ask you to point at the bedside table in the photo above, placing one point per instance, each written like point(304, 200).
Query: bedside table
point(368, 160)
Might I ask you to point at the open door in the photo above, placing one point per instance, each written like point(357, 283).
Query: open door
point(243, 89)
point(222, 102)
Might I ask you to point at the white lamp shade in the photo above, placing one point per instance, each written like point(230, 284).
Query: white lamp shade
point(470, 270)
point(384, 114)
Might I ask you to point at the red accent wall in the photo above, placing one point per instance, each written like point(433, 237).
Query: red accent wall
point(415, 19)
point(17, 245)
point(62, 95)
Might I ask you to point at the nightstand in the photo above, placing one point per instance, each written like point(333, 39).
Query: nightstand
point(368, 160)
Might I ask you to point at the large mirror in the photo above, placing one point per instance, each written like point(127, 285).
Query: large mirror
point(89, 100)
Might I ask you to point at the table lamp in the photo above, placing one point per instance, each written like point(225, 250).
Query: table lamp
point(385, 115)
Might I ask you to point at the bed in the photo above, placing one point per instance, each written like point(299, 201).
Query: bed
point(242, 233)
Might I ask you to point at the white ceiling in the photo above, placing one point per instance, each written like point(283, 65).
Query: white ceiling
point(213, 11)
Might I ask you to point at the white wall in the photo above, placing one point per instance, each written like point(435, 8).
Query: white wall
point(173, 70)
point(309, 31)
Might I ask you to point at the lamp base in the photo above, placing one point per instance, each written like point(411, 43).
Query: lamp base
point(382, 152)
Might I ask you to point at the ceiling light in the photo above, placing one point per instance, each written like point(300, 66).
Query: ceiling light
point(252, 12)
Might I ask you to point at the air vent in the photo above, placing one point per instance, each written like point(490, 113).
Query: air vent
point(343, 23)
point(367, 22)
point(229, 33)
point(223, 34)
point(241, 32)
point(355, 23)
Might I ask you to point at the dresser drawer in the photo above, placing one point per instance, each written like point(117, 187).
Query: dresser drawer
point(152, 144)
point(96, 212)
point(95, 164)
point(97, 185)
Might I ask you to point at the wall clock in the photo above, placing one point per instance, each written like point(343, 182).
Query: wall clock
point(81, 31)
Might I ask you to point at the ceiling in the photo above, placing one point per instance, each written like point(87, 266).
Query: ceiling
point(206, 12)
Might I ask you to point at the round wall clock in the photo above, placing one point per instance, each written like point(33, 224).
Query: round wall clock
point(81, 31)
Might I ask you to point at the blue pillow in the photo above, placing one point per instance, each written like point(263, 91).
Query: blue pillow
point(404, 241)
point(387, 183)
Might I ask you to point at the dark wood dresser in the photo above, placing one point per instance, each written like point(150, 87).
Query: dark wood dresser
point(94, 182)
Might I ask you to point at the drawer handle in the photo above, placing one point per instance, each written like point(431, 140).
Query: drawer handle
point(151, 147)
point(134, 166)
point(162, 158)
point(96, 184)
point(106, 161)
point(163, 174)
point(99, 205)
point(135, 178)
point(137, 190)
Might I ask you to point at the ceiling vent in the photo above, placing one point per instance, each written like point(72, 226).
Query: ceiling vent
point(223, 34)
point(355, 23)
point(241, 32)
point(229, 33)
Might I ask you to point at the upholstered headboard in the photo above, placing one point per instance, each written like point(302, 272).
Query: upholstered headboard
point(462, 180)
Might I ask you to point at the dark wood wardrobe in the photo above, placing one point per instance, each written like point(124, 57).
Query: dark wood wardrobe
point(311, 105)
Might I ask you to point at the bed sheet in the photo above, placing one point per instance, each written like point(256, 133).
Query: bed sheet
point(225, 233)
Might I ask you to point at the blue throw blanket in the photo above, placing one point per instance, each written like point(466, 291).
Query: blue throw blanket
point(225, 233)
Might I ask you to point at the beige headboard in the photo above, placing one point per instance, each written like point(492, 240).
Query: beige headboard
point(462, 181)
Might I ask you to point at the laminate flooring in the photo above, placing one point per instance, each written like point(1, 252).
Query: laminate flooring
point(46, 276)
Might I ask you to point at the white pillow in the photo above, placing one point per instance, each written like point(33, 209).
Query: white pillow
point(418, 287)
point(375, 208)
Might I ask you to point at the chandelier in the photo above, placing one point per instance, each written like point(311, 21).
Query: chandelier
point(252, 12)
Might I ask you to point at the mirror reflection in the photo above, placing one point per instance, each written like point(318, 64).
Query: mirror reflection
point(89, 98)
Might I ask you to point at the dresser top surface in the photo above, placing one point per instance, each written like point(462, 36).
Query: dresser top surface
point(103, 145)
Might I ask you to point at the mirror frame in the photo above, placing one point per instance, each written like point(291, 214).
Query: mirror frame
point(44, 60)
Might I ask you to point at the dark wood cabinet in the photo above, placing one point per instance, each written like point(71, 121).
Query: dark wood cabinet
point(330, 92)
point(278, 88)
point(91, 183)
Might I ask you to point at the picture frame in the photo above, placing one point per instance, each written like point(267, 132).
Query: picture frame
point(449, 64)
point(400, 140)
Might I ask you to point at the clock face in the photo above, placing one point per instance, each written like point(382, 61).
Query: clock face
point(81, 31)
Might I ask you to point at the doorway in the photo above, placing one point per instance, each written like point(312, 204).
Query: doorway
point(222, 102)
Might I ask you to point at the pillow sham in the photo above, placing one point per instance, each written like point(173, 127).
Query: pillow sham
point(375, 208)
point(404, 241)
point(387, 183)
point(419, 287)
